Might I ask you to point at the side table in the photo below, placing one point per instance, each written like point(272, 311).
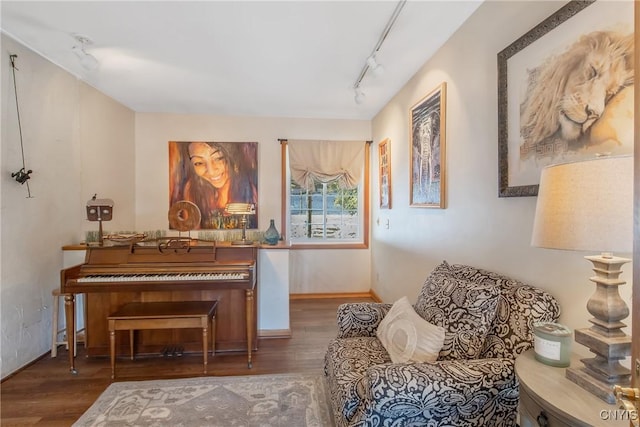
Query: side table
point(548, 398)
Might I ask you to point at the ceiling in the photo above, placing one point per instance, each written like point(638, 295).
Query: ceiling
point(248, 58)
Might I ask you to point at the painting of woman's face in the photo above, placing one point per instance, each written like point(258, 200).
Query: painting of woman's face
point(212, 175)
point(209, 163)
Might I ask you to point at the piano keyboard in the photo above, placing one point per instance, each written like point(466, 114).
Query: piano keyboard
point(160, 277)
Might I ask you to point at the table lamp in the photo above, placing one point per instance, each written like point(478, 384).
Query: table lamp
point(588, 206)
point(99, 210)
point(242, 209)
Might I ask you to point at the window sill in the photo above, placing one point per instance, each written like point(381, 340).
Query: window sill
point(360, 245)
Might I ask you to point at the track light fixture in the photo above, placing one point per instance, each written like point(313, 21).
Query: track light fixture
point(372, 63)
point(376, 69)
point(88, 61)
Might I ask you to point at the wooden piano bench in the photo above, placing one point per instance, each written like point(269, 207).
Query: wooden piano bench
point(163, 315)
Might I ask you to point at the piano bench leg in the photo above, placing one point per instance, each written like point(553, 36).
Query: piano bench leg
point(131, 341)
point(112, 351)
point(205, 352)
point(213, 335)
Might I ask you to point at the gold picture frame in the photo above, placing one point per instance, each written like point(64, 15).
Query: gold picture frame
point(384, 164)
point(427, 150)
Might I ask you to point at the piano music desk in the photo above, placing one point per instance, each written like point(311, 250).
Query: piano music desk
point(163, 315)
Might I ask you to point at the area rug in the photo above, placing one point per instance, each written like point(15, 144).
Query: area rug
point(287, 400)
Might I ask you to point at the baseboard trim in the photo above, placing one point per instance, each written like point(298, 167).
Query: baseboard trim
point(369, 294)
point(22, 368)
point(375, 296)
point(274, 333)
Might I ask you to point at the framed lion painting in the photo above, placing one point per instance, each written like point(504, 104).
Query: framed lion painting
point(565, 92)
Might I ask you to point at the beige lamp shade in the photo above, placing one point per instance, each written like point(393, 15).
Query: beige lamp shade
point(586, 206)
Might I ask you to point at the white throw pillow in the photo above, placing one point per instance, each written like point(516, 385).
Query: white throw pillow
point(407, 337)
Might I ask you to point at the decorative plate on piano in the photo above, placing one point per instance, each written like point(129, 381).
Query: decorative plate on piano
point(125, 239)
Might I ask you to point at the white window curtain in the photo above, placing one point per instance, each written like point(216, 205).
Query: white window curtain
point(326, 161)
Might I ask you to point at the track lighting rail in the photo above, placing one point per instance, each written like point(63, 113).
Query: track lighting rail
point(381, 40)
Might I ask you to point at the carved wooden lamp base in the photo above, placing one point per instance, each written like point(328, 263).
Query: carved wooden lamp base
point(604, 338)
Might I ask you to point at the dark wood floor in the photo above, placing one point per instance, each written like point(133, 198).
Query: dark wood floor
point(45, 393)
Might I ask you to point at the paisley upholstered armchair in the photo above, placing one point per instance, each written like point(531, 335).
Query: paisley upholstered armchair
point(488, 321)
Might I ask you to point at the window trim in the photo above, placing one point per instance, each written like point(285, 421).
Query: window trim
point(366, 188)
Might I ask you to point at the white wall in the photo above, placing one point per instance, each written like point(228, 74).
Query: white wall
point(107, 146)
point(63, 122)
point(311, 271)
point(30, 245)
point(273, 292)
point(477, 227)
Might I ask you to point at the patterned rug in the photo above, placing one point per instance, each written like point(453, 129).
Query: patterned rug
point(287, 400)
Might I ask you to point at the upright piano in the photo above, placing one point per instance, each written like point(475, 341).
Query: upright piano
point(170, 269)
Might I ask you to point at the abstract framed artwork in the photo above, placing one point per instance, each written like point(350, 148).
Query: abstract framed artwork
point(384, 162)
point(211, 175)
point(565, 92)
point(427, 150)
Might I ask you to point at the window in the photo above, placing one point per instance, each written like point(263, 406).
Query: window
point(324, 209)
point(326, 212)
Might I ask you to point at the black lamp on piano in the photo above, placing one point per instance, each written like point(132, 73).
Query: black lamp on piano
point(99, 210)
point(242, 209)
